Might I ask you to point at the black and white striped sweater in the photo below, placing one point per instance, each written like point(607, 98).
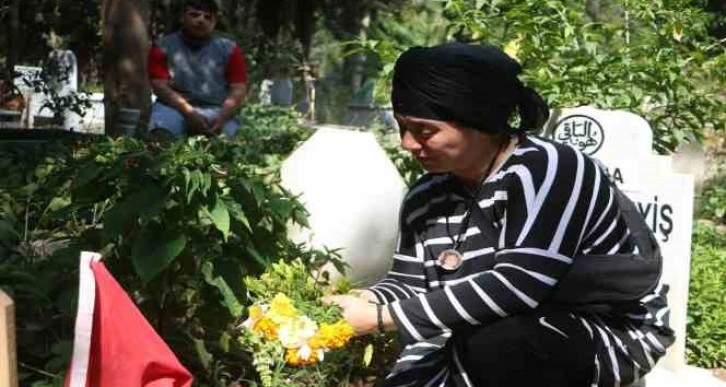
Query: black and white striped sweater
point(549, 203)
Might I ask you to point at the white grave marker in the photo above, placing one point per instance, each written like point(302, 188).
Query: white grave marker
point(353, 194)
point(619, 139)
point(622, 141)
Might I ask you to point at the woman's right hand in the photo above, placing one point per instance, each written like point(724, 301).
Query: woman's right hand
point(365, 294)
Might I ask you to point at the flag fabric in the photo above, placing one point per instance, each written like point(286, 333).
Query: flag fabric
point(114, 345)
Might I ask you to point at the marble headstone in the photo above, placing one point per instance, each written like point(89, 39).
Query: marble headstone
point(353, 193)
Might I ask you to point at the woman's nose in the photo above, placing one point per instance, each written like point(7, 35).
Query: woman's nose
point(409, 142)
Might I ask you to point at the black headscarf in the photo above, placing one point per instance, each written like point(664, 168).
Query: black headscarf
point(472, 85)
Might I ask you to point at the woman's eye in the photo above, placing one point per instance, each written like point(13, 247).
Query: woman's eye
point(427, 132)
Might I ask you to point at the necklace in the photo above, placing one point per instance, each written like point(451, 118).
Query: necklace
point(452, 258)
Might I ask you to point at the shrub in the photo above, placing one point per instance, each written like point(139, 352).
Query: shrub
point(181, 225)
point(706, 331)
point(712, 202)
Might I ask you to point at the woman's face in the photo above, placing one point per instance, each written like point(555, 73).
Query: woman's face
point(442, 146)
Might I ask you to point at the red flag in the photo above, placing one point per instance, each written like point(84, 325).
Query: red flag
point(114, 345)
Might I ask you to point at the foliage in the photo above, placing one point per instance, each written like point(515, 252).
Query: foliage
point(40, 277)
point(706, 332)
point(180, 226)
point(712, 203)
point(654, 58)
point(270, 133)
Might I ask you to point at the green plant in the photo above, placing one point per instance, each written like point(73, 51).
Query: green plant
point(654, 58)
point(706, 332)
point(712, 203)
point(180, 226)
point(184, 225)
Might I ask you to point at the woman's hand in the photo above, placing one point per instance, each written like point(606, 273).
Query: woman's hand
point(365, 294)
point(361, 314)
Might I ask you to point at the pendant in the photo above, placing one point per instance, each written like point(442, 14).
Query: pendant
point(449, 259)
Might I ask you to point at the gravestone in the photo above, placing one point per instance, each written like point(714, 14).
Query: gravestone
point(622, 141)
point(64, 83)
point(353, 193)
point(67, 84)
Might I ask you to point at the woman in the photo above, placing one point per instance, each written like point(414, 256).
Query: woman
point(490, 238)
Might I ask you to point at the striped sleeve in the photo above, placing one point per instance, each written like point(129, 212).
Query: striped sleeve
point(549, 203)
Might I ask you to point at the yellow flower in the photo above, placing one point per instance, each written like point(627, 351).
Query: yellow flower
point(512, 47)
point(332, 336)
point(255, 312)
point(266, 327)
point(302, 356)
point(281, 309)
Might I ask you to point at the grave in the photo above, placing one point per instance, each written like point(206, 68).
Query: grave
point(353, 193)
point(622, 141)
point(65, 83)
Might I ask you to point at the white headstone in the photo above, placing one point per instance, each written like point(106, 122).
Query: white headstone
point(66, 62)
point(617, 138)
point(667, 206)
point(622, 141)
point(66, 82)
point(353, 193)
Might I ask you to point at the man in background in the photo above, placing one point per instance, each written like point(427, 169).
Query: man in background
point(198, 77)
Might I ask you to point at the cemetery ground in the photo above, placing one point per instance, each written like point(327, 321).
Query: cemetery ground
point(129, 199)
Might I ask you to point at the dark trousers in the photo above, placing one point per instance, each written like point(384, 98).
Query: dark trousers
point(546, 349)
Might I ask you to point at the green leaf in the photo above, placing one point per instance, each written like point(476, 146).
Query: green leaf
point(237, 213)
point(204, 356)
point(8, 236)
point(154, 250)
point(224, 342)
point(86, 174)
point(219, 215)
point(58, 203)
point(229, 300)
point(145, 201)
point(194, 180)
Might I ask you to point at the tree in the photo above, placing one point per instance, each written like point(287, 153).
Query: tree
point(125, 44)
point(655, 58)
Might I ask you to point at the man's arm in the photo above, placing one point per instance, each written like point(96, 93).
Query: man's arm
point(160, 84)
point(236, 74)
point(230, 105)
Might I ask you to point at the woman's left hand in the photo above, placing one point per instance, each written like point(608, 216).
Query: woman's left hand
point(359, 313)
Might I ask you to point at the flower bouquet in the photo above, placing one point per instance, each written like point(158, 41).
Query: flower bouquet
point(295, 339)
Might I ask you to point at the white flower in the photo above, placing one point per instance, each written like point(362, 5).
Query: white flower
point(305, 351)
point(295, 333)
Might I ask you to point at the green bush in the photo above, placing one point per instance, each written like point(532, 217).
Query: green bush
point(706, 330)
point(712, 202)
point(180, 226)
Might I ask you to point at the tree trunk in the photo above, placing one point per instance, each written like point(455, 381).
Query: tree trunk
point(125, 46)
point(13, 47)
